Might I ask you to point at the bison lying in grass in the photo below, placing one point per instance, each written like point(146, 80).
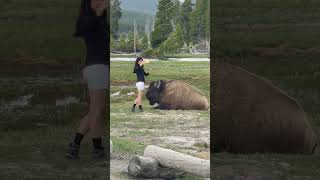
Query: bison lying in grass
point(252, 115)
point(175, 95)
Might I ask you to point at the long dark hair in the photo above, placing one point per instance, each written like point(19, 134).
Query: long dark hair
point(136, 64)
point(86, 10)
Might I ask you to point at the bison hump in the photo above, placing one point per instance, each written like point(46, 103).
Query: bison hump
point(180, 95)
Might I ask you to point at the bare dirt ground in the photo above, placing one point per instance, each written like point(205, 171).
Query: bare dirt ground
point(183, 131)
point(263, 167)
point(176, 129)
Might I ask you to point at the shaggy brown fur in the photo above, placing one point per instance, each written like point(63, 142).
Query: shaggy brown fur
point(179, 95)
point(251, 115)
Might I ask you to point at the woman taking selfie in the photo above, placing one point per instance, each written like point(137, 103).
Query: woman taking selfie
point(91, 26)
point(139, 70)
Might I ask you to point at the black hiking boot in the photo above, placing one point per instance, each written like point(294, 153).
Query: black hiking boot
point(73, 151)
point(140, 109)
point(98, 153)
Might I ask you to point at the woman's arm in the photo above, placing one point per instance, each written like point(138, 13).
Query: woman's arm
point(146, 74)
point(144, 62)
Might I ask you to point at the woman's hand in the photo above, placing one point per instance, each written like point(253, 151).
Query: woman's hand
point(145, 62)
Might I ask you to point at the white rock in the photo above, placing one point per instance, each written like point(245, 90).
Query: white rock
point(111, 146)
point(130, 93)
point(67, 101)
point(115, 94)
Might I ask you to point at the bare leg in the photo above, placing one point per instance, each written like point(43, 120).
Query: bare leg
point(97, 113)
point(84, 124)
point(139, 99)
point(97, 121)
point(134, 105)
point(84, 128)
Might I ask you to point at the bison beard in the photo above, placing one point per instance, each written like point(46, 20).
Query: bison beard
point(251, 115)
point(174, 95)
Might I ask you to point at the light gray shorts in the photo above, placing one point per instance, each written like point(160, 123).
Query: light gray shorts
point(140, 86)
point(96, 76)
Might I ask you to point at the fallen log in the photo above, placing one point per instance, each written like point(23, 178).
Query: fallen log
point(182, 162)
point(147, 167)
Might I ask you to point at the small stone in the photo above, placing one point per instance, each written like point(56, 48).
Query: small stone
point(284, 164)
point(111, 145)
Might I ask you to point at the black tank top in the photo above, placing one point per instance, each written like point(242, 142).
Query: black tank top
point(140, 74)
point(94, 32)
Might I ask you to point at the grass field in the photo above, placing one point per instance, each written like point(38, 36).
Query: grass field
point(36, 29)
point(182, 55)
point(34, 134)
point(183, 131)
point(277, 40)
point(40, 57)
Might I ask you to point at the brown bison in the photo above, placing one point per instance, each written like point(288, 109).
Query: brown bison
point(174, 95)
point(252, 115)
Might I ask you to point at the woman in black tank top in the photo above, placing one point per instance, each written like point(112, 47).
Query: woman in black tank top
point(91, 26)
point(139, 71)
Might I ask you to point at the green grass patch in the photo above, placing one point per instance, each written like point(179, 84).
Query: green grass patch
point(122, 145)
point(39, 29)
point(194, 73)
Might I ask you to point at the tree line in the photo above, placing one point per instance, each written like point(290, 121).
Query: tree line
point(177, 26)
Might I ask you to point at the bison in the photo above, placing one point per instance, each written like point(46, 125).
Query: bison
point(175, 95)
point(251, 115)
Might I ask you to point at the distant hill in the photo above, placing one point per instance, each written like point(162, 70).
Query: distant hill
point(144, 6)
point(128, 17)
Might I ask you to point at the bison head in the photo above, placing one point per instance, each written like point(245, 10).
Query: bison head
point(154, 90)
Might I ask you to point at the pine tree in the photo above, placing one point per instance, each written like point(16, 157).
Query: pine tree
point(115, 14)
point(207, 20)
point(198, 21)
point(176, 12)
point(123, 42)
point(112, 43)
point(174, 43)
point(163, 26)
point(185, 20)
point(148, 30)
point(130, 42)
point(144, 42)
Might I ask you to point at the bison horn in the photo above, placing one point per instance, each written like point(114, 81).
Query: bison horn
point(158, 84)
